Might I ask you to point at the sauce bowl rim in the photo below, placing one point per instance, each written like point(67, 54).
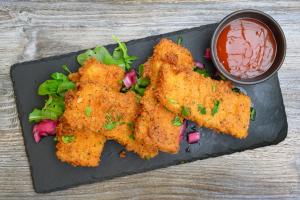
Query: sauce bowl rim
point(218, 30)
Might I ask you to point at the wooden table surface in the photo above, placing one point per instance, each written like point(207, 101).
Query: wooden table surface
point(32, 30)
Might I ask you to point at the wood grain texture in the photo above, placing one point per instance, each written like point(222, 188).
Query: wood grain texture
point(35, 29)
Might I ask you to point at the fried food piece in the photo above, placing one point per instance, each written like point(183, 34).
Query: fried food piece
point(125, 107)
point(93, 72)
point(84, 150)
point(188, 93)
point(112, 115)
point(154, 125)
point(98, 107)
point(166, 51)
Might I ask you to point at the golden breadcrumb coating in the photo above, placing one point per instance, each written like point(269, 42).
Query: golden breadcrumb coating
point(98, 108)
point(154, 125)
point(85, 148)
point(188, 90)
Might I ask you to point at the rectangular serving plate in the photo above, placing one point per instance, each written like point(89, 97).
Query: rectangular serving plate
point(49, 174)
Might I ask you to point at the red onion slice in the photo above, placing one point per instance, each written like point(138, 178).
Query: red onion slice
point(182, 129)
point(127, 82)
point(207, 54)
point(44, 128)
point(199, 65)
point(36, 137)
point(130, 79)
point(193, 137)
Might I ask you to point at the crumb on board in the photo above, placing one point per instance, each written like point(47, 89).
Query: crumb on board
point(122, 154)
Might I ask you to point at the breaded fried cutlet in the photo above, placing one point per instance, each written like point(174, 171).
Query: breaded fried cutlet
point(154, 125)
point(97, 106)
point(166, 51)
point(112, 115)
point(78, 147)
point(208, 102)
point(94, 72)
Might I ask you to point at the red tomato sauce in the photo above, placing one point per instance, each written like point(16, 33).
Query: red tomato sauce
point(246, 47)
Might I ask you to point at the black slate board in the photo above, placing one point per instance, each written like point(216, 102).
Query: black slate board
point(49, 174)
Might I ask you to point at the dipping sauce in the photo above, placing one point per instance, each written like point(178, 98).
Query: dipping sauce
point(246, 47)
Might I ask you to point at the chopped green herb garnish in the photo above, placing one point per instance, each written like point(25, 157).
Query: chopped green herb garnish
point(147, 157)
point(120, 82)
point(88, 111)
point(118, 117)
point(55, 139)
point(179, 40)
point(143, 82)
point(112, 122)
point(131, 136)
point(235, 89)
point(213, 87)
point(185, 111)
point(166, 109)
point(252, 113)
point(141, 70)
point(65, 67)
point(124, 89)
point(110, 125)
point(172, 101)
point(68, 138)
point(141, 85)
point(138, 90)
point(138, 98)
point(201, 109)
point(216, 107)
point(222, 77)
point(177, 121)
point(130, 125)
point(203, 72)
point(120, 123)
